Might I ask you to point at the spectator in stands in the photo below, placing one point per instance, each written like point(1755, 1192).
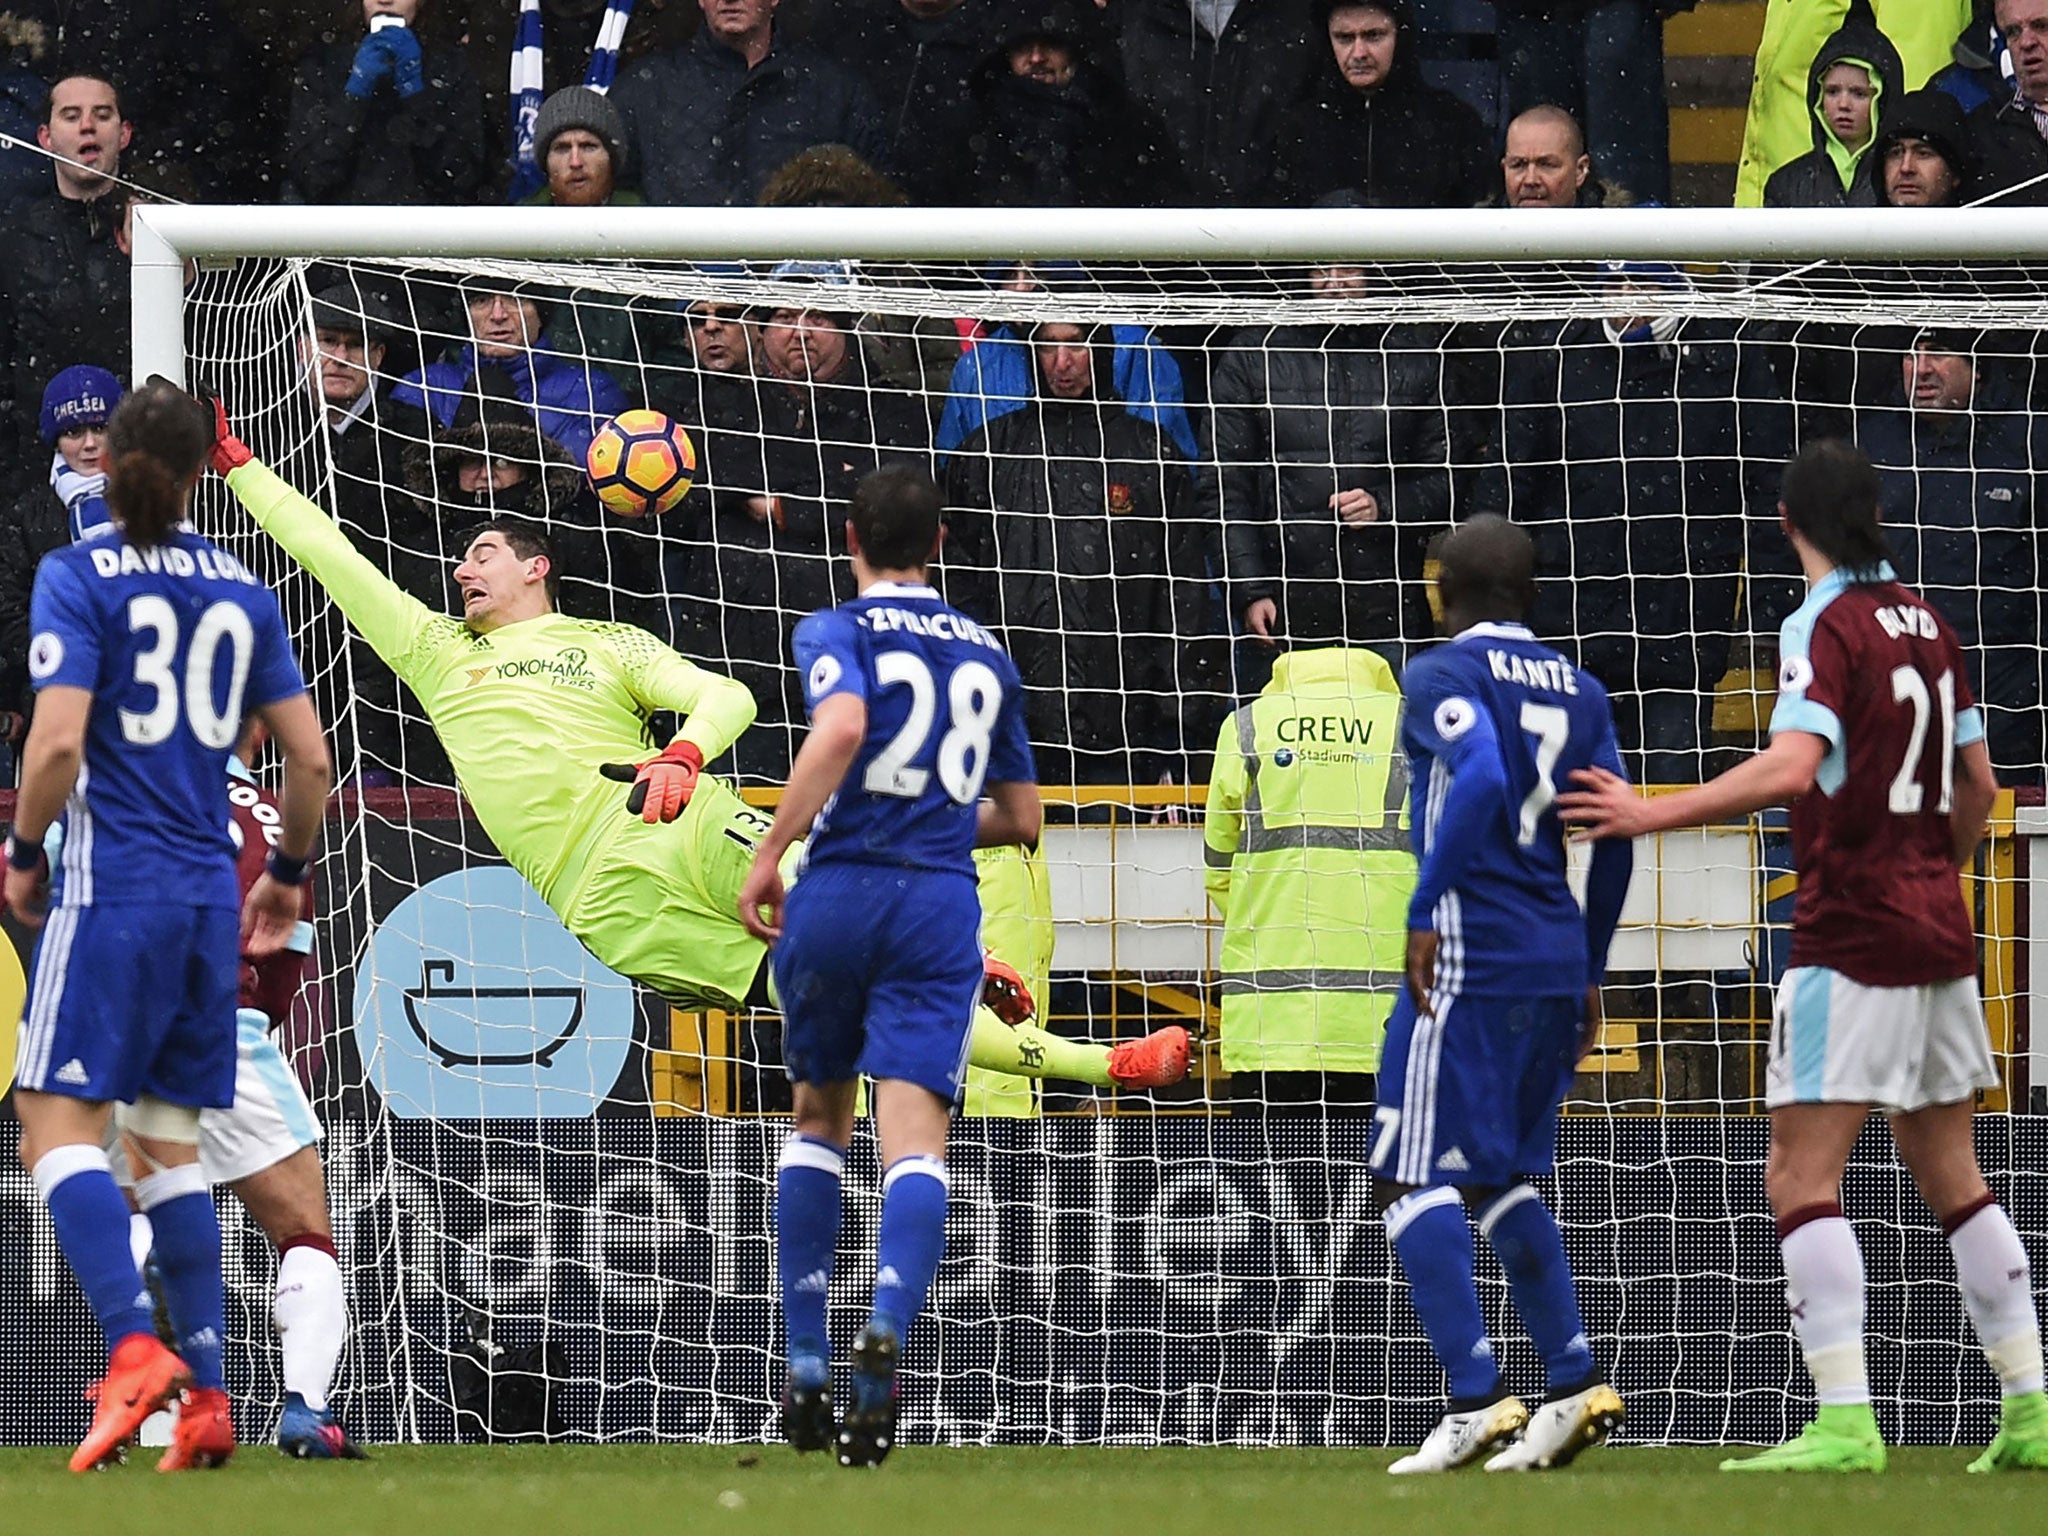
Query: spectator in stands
point(580, 141)
point(64, 282)
point(379, 119)
point(1055, 128)
point(1544, 164)
point(24, 50)
point(784, 452)
point(710, 122)
point(1631, 466)
point(1068, 522)
point(1368, 125)
point(1780, 121)
point(1603, 60)
point(1330, 477)
point(996, 376)
point(506, 356)
point(1220, 76)
point(1923, 152)
point(916, 57)
point(1959, 457)
point(1854, 85)
point(2008, 138)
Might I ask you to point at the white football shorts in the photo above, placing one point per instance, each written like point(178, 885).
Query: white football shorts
point(271, 1118)
point(1837, 1041)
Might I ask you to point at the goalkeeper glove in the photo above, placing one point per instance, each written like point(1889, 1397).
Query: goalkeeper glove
point(228, 452)
point(662, 785)
point(1003, 991)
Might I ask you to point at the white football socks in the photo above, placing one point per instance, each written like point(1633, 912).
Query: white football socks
point(1991, 1264)
point(1824, 1290)
point(312, 1321)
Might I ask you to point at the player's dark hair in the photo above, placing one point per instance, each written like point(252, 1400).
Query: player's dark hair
point(1831, 496)
point(157, 440)
point(896, 514)
point(1486, 570)
point(526, 540)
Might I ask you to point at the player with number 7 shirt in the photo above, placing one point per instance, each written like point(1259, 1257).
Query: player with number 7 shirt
point(1878, 746)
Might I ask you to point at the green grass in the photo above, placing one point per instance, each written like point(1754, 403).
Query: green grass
point(511, 1491)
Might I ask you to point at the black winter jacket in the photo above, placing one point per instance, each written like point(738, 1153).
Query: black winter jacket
point(424, 150)
point(37, 524)
point(1811, 181)
point(706, 131)
point(2007, 149)
point(1300, 413)
point(1221, 98)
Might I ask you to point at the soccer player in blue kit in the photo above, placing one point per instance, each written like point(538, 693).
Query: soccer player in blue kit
point(916, 715)
point(1503, 998)
point(149, 646)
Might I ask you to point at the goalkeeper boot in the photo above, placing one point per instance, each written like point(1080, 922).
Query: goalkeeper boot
point(1843, 1437)
point(1159, 1060)
point(141, 1377)
point(311, 1434)
point(2022, 1442)
point(1460, 1439)
point(869, 1428)
point(205, 1433)
point(1562, 1428)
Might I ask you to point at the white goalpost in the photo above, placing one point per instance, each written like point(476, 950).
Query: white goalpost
point(528, 1148)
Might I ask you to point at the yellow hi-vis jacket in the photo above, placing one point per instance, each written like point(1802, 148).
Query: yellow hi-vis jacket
point(1309, 863)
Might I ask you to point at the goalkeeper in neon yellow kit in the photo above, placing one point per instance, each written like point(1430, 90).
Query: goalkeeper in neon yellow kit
point(536, 710)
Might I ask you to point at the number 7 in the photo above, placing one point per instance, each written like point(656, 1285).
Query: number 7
point(1551, 727)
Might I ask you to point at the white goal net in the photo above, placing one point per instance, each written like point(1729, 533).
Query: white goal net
point(1162, 476)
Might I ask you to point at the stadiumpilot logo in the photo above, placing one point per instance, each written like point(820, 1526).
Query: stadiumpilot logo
point(475, 1001)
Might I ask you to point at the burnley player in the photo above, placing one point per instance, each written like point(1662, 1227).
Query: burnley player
point(149, 646)
point(1503, 998)
point(1879, 1006)
point(916, 712)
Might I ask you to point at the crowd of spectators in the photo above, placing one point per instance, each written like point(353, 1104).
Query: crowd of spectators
point(1147, 517)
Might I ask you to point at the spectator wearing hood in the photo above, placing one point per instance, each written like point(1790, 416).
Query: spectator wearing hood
point(24, 50)
point(1959, 457)
point(2010, 145)
point(380, 118)
point(1221, 77)
point(1639, 478)
point(1068, 524)
point(1779, 126)
point(1922, 154)
point(709, 122)
point(1853, 85)
point(505, 356)
point(1054, 127)
point(1368, 125)
point(995, 376)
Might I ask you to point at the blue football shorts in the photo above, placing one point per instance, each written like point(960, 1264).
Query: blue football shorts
point(879, 972)
point(1470, 1097)
point(134, 999)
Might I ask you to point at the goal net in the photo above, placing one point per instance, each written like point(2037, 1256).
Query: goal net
point(1167, 466)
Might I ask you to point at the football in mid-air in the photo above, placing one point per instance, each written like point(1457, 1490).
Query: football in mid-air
point(641, 463)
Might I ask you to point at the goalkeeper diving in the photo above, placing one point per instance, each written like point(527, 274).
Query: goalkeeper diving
point(539, 712)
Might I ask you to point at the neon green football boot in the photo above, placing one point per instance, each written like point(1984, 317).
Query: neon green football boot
point(2022, 1443)
point(1843, 1437)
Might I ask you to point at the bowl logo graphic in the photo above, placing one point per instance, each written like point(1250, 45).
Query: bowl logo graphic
point(473, 1001)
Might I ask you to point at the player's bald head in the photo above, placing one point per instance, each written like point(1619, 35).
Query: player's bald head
point(1486, 570)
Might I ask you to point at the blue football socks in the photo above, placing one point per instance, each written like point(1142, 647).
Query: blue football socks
point(91, 1219)
point(1434, 1244)
point(1531, 1249)
point(181, 1214)
point(807, 1201)
point(912, 1238)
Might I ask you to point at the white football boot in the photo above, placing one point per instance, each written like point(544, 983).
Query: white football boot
point(1460, 1439)
point(1559, 1430)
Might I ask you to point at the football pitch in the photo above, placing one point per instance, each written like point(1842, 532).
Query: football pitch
point(511, 1491)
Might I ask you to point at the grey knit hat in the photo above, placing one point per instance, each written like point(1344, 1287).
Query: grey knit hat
point(578, 106)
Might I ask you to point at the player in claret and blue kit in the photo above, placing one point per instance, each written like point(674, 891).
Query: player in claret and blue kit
point(1879, 748)
point(149, 646)
point(917, 755)
point(1503, 998)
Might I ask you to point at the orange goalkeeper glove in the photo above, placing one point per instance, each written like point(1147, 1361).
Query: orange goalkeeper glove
point(1003, 991)
point(228, 452)
point(662, 785)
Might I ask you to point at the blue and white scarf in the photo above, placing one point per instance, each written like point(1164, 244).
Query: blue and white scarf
point(529, 86)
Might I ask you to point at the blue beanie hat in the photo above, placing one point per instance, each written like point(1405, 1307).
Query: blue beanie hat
point(80, 396)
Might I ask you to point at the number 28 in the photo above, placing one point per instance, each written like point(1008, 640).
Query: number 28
point(974, 697)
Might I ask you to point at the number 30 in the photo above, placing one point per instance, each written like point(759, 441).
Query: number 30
point(154, 616)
